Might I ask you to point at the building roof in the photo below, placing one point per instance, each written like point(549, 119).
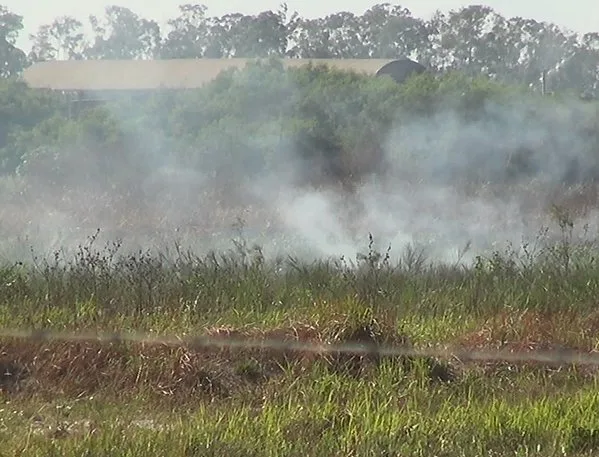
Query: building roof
point(401, 70)
point(109, 75)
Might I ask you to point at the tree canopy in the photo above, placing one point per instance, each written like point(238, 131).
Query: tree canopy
point(476, 116)
point(474, 39)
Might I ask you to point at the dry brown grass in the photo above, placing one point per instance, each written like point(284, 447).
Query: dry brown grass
point(177, 373)
point(75, 368)
point(561, 333)
point(579, 201)
point(533, 330)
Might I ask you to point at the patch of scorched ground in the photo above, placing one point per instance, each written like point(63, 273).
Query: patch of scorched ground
point(176, 373)
point(566, 335)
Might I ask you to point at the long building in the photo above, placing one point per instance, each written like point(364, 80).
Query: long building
point(149, 75)
point(89, 82)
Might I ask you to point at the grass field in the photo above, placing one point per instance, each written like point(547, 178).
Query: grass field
point(135, 398)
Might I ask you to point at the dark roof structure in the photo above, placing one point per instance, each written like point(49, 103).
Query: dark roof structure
point(400, 70)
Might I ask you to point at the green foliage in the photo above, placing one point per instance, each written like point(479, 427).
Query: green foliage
point(21, 110)
point(243, 123)
point(335, 119)
point(415, 406)
point(240, 283)
point(57, 146)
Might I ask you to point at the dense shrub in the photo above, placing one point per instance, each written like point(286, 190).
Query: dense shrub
point(331, 124)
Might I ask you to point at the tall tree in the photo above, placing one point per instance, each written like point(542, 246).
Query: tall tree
point(580, 72)
point(338, 35)
point(42, 48)
point(466, 39)
point(390, 31)
point(189, 34)
point(262, 35)
point(124, 35)
point(12, 59)
point(543, 47)
point(63, 39)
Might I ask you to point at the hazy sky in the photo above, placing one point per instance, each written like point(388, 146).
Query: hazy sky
point(577, 15)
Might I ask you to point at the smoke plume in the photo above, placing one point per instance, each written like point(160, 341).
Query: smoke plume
point(441, 182)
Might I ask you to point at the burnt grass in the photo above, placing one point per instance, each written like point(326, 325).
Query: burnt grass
point(175, 373)
point(520, 303)
point(284, 382)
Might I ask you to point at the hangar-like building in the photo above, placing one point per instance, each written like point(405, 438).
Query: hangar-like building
point(94, 80)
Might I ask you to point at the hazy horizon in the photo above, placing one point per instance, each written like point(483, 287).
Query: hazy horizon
point(581, 19)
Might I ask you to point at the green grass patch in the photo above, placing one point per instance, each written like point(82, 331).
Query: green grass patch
point(92, 399)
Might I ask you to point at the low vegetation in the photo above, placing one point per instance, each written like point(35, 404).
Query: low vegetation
point(68, 396)
point(360, 356)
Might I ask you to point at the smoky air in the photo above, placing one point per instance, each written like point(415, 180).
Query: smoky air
point(310, 161)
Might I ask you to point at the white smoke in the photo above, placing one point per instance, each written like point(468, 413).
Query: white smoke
point(441, 188)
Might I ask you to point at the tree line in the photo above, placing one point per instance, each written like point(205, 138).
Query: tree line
point(336, 124)
point(474, 39)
